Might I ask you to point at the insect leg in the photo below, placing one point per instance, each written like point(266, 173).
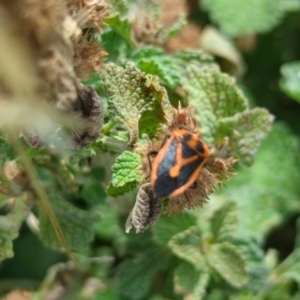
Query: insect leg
point(151, 153)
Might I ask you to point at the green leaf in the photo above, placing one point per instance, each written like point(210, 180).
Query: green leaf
point(168, 226)
point(290, 79)
point(256, 264)
point(126, 174)
point(185, 278)
point(183, 59)
point(237, 18)
point(154, 61)
point(229, 262)
point(214, 95)
point(289, 269)
point(115, 46)
point(246, 130)
point(6, 151)
point(93, 192)
point(224, 222)
point(119, 6)
point(76, 225)
point(122, 27)
point(109, 228)
point(190, 282)
point(10, 224)
point(270, 189)
point(201, 287)
point(136, 100)
point(78, 156)
point(290, 5)
point(134, 276)
point(187, 245)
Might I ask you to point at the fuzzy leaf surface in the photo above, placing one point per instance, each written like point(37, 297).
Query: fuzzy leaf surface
point(265, 194)
point(190, 282)
point(224, 221)
point(256, 16)
point(186, 245)
point(256, 264)
point(201, 287)
point(122, 27)
point(153, 61)
point(185, 278)
point(135, 100)
point(168, 226)
point(126, 174)
point(184, 58)
point(229, 262)
point(214, 95)
point(76, 225)
point(134, 276)
point(246, 130)
point(290, 79)
point(9, 227)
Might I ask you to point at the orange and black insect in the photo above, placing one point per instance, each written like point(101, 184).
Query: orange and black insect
point(178, 163)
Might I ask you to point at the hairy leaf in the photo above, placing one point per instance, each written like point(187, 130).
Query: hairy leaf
point(10, 224)
point(135, 276)
point(184, 58)
point(224, 222)
point(270, 188)
point(153, 61)
point(256, 264)
point(237, 18)
point(136, 100)
point(190, 282)
point(246, 130)
point(187, 245)
point(290, 79)
point(201, 286)
point(122, 27)
point(126, 174)
point(76, 224)
point(185, 278)
point(115, 46)
point(229, 262)
point(214, 95)
point(168, 226)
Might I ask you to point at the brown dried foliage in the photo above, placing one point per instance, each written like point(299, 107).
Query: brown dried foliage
point(57, 38)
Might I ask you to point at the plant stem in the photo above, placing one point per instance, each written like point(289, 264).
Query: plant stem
point(41, 193)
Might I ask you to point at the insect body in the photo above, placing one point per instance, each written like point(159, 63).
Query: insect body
point(178, 163)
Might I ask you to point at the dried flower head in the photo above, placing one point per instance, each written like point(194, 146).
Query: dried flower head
point(88, 117)
point(58, 48)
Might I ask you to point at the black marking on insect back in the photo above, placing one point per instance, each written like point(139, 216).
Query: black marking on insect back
point(200, 148)
point(187, 171)
point(188, 152)
point(169, 159)
point(164, 184)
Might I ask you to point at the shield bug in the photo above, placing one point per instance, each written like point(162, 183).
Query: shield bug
point(178, 163)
